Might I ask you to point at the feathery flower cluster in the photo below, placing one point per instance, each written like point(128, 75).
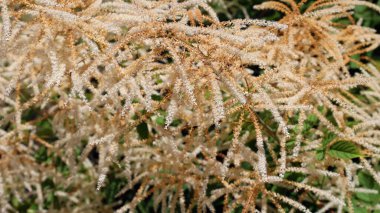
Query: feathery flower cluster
point(192, 112)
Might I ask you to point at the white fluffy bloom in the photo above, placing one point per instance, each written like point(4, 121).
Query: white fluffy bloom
point(101, 179)
point(217, 107)
point(299, 136)
point(58, 70)
point(262, 162)
point(276, 114)
point(6, 21)
point(172, 110)
point(234, 90)
point(62, 15)
point(49, 3)
point(102, 139)
point(148, 89)
point(135, 90)
point(184, 78)
point(91, 44)
point(364, 190)
point(128, 100)
point(308, 171)
point(291, 202)
point(326, 207)
point(370, 169)
point(77, 87)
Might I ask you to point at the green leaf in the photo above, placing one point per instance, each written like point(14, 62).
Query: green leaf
point(143, 131)
point(344, 150)
point(15, 202)
point(328, 137)
point(208, 95)
point(320, 154)
point(160, 121)
point(33, 208)
point(290, 144)
point(367, 197)
point(312, 118)
point(45, 130)
point(41, 155)
point(366, 180)
point(246, 166)
point(176, 122)
point(156, 97)
point(358, 209)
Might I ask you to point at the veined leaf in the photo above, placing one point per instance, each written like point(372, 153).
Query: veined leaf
point(344, 150)
point(320, 154)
